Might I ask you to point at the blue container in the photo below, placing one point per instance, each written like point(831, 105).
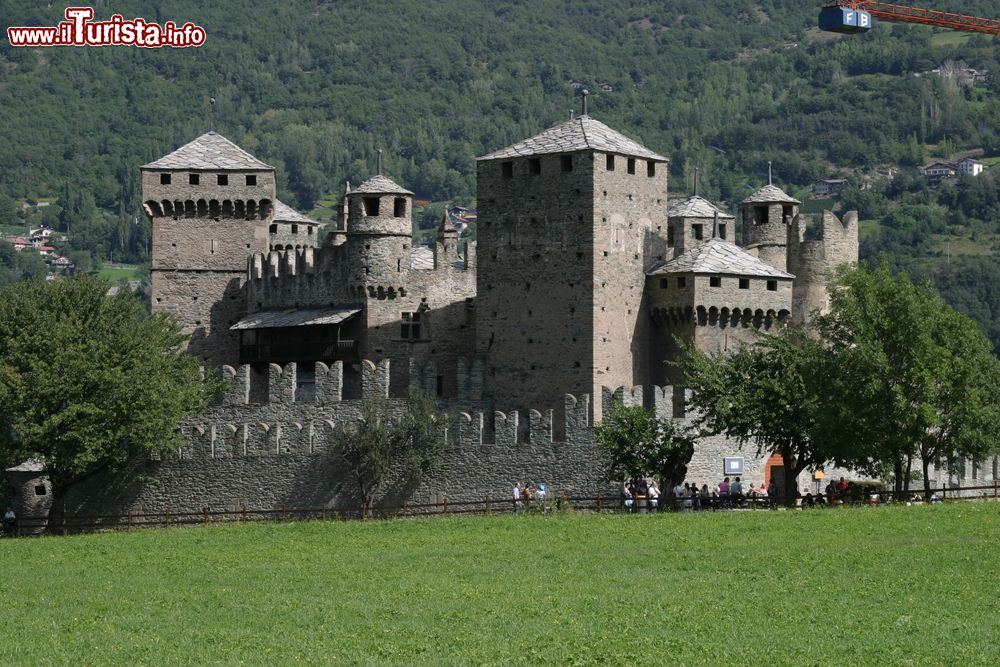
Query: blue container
point(842, 19)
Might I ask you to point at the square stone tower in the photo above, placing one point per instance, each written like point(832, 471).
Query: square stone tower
point(568, 221)
point(211, 204)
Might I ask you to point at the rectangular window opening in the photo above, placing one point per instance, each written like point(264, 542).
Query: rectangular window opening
point(399, 207)
point(534, 166)
point(164, 179)
point(651, 169)
point(566, 162)
point(744, 283)
point(194, 179)
point(223, 179)
point(371, 206)
point(670, 237)
point(715, 281)
point(772, 285)
point(664, 283)
point(722, 232)
point(610, 163)
point(631, 165)
point(273, 229)
point(507, 169)
point(681, 281)
point(251, 179)
point(410, 325)
point(295, 229)
point(698, 232)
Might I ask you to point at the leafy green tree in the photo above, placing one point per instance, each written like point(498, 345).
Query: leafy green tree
point(88, 382)
point(769, 395)
point(638, 444)
point(385, 439)
point(913, 377)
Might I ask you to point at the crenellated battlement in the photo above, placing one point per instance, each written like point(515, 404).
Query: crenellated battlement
point(666, 402)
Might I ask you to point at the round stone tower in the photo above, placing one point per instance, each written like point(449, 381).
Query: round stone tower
point(379, 232)
point(767, 216)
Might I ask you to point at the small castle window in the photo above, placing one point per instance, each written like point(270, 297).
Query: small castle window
point(193, 179)
point(251, 179)
point(507, 169)
point(631, 165)
point(681, 281)
point(772, 285)
point(744, 283)
point(164, 179)
point(295, 229)
point(410, 325)
point(534, 166)
point(223, 179)
point(40, 490)
point(399, 207)
point(440, 385)
point(722, 232)
point(309, 230)
point(664, 283)
point(670, 237)
point(371, 206)
point(610, 163)
point(651, 169)
point(698, 232)
point(566, 162)
point(715, 281)
point(273, 229)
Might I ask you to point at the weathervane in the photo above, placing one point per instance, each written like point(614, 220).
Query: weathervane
point(584, 93)
point(211, 114)
point(769, 181)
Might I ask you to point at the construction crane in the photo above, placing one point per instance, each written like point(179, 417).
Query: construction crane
point(853, 16)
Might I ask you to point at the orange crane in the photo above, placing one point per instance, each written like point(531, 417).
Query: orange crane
point(852, 16)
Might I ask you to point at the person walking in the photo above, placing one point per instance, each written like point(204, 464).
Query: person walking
point(517, 497)
point(541, 498)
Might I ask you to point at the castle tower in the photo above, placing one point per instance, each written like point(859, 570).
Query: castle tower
point(379, 233)
point(767, 216)
point(210, 203)
point(691, 222)
point(814, 261)
point(568, 221)
point(290, 230)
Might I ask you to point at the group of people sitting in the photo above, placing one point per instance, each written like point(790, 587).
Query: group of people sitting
point(689, 496)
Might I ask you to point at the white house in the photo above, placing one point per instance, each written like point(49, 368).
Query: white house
point(970, 166)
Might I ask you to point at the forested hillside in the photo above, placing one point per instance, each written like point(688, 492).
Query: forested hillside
point(315, 88)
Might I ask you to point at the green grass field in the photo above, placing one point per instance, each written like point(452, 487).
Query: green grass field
point(118, 272)
point(871, 586)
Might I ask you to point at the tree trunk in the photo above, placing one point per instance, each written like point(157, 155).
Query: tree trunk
point(897, 468)
point(926, 464)
point(792, 472)
point(906, 478)
point(56, 521)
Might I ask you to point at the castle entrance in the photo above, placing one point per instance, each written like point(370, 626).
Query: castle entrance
point(774, 469)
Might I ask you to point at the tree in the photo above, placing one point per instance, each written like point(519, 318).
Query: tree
point(89, 382)
point(770, 395)
point(638, 444)
point(386, 439)
point(913, 377)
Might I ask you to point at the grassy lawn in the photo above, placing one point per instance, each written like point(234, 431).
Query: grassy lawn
point(118, 272)
point(950, 38)
point(902, 586)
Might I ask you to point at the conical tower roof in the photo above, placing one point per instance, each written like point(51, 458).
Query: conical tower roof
point(770, 194)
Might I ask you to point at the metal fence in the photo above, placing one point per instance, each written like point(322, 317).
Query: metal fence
point(78, 523)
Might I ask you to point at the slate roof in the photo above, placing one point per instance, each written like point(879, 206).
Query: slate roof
point(696, 207)
point(769, 194)
point(296, 317)
point(422, 259)
point(285, 213)
point(381, 185)
point(717, 256)
point(579, 134)
point(209, 151)
point(31, 465)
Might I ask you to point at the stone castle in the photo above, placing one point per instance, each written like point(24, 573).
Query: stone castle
point(581, 282)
